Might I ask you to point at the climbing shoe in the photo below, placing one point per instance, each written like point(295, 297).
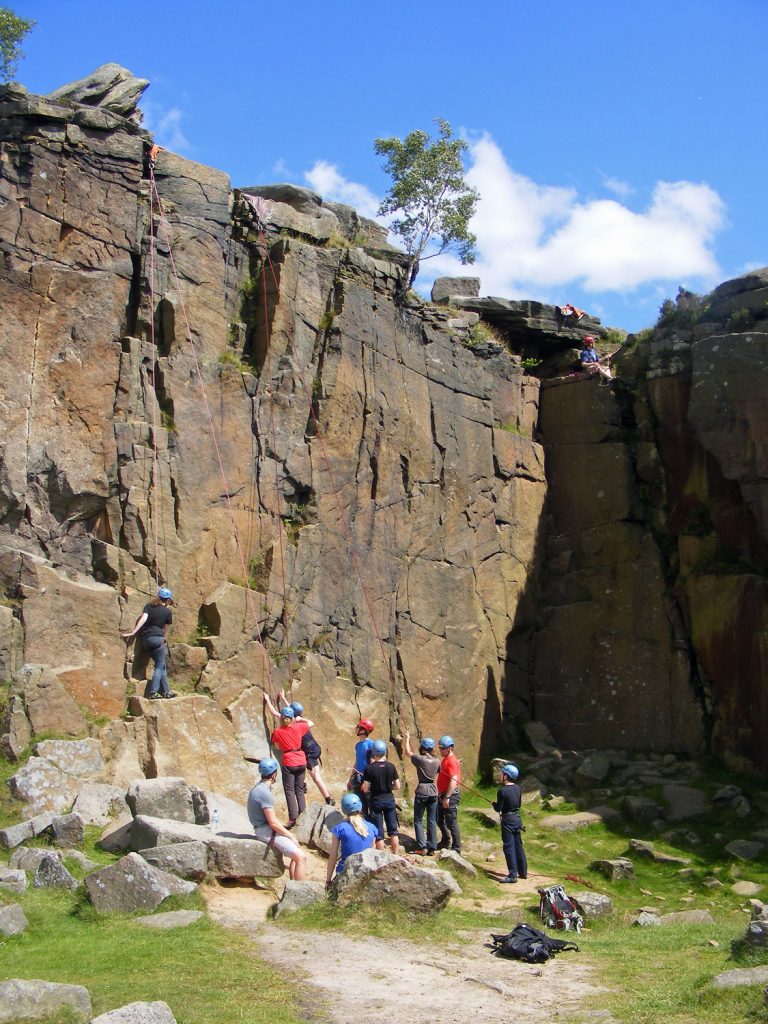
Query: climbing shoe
point(420, 853)
point(509, 880)
point(169, 695)
point(155, 696)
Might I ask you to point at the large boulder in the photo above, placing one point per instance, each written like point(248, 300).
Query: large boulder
point(68, 830)
point(13, 921)
point(166, 797)
point(187, 860)
point(97, 803)
point(44, 787)
point(375, 875)
point(149, 832)
point(14, 835)
point(29, 858)
point(51, 874)
point(13, 879)
point(684, 802)
point(299, 894)
point(15, 730)
point(82, 758)
point(242, 858)
point(138, 1013)
point(110, 86)
point(132, 884)
point(35, 1000)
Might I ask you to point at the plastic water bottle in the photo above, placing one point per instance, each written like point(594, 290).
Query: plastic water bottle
point(215, 819)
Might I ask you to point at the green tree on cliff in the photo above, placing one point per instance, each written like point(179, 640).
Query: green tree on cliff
point(429, 191)
point(13, 31)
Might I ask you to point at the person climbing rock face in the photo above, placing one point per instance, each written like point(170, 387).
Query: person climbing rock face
point(309, 745)
point(266, 828)
point(380, 780)
point(591, 362)
point(152, 628)
point(507, 803)
point(448, 796)
point(288, 736)
point(353, 835)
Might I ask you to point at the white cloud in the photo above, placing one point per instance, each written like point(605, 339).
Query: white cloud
point(165, 125)
point(324, 178)
point(534, 239)
point(620, 188)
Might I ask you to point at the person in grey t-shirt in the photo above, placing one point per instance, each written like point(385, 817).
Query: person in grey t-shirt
point(425, 798)
point(266, 828)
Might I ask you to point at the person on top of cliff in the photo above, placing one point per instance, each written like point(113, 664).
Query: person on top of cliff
point(448, 796)
point(309, 744)
point(363, 749)
point(288, 736)
point(380, 780)
point(507, 803)
point(266, 828)
point(353, 835)
point(425, 798)
point(152, 629)
point(591, 362)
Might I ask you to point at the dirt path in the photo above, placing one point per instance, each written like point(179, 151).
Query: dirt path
point(346, 980)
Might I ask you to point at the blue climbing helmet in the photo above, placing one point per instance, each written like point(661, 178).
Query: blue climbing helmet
point(287, 712)
point(510, 770)
point(298, 709)
point(165, 594)
point(427, 743)
point(351, 804)
point(267, 766)
point(445, 742)
point(379, 747)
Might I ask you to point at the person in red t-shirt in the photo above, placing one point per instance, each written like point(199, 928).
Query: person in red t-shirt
point(448, 796)
point(287, 737)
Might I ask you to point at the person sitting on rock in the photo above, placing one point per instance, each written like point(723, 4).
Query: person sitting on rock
point(570, 310)
point(507, 803)
point(353, 835)
point(288, 736)
point(425, 797)
point(448, 796)
point(380, 780)
point(309, 745)
point(590, 361)
point(363, 749)
point(152, 628)
point(266, 828)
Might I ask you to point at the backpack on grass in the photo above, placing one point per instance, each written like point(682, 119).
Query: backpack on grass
point(529, 945)
point(557, 910)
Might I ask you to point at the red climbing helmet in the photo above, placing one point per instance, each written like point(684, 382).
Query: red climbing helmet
point(366, 724)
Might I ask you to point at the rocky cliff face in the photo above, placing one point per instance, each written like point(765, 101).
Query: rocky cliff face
point(216, 389)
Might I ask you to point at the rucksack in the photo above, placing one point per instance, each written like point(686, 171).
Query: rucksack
point(557, 909)
point(529, 945)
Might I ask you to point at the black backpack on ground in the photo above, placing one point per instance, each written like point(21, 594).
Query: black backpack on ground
point(529, 944)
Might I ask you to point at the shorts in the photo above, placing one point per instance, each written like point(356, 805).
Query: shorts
point(282, 844)
point(388, 813)
point(312, 761)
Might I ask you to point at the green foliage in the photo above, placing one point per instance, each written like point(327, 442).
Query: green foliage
point(667, 311)
point(531, 363)
point(229, 358)
point(741, 320)
point(13, 31)
point(430, 193)
point(483, 333)
point(167, 422)
point(326, 320)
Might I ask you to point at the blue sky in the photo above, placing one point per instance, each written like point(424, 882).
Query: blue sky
point(619, 149)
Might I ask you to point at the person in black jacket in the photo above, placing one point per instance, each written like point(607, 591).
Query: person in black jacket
point(507, 803)
point(152, 628)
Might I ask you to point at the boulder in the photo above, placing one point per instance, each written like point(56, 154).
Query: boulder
point(232, 814)
point(299, 894)
point(14, 835)
point(444, 287)
point(745, 849)
point(132, 884)
point(647, 920)
point(684, 802)
point(186, 860)
point(68, 830)
point(687, 917)
point(48, 704)
point(570, 822)
point(15, 730)
point(307, 822)
point(12, 920)
point(242, 858)
point(540, 738)
point(593, 904)
point(82, 758)
point(33, 1000)
point(44, 787)
point(138, 1013)
point(166, 797)
point(13, 879)
point(375, 875)
point(642, 848)
point(171, 919)
point(745, 888)
point(51, 874)
point(116, 837)
point(29, 858)
point(97, 803)
point(110, 86)
point(593, 770)
point(739, 977)
point(322, 837)
point(642, 809)
point(148, 832)
point(732, 801)
point(615, 869)
point(453, 859)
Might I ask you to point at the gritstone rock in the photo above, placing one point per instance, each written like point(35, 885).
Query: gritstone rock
point(110, 86)
point(570, 822)
point(322, 837)
point(12, 920)
point(444, 287)
point(647, 920)
point(740, 976)
point(741, 888)
point(80, 858)
point(307, 822)
point(138, 1013)
point(593, 904)
point(459, 862)
point(640, 808)
point(68, 830)
point(687, 917)
point(621, 867)
point(49, 707)
point(51, 874)
point(171, 919)
point(166, 797)
point(44, 787)
point(82, 758)
point(14, 835)
point(593, 770)
point(299, 894)
point(642, 848)
point(745, 849)
point(133, 884)
point(684, 802)
point(147, 831)
point(116, 837)
point(187, 860)
point(731, 800)
point(28, 858)
point(97, 803)
point(540, 738)
point(32, 1000)
point(15, 730)
point(13, 879)
point(375, 875)
point(242, 858)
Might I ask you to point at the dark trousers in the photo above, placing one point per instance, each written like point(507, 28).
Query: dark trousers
point(448, 822)
point(512, 841)
point(157, 650)
point(428, 804)
point(295, 787)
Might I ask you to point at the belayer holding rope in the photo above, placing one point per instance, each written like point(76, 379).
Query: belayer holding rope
point(288, 736)
point(591, 362)
point(266, 828)
point(448, 796)
point(508, 800)
point(152, 628)
point(309, 745)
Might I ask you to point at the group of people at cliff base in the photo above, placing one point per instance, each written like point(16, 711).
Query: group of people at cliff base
point(369, 806)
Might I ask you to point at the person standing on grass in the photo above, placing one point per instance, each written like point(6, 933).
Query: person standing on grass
point(309, 744)
point(353, 835)
point(425, 797)
point(288, 736)
point(507, 803)
point(448, 796)
point(380, 780)
point(152, 628)
point(266, 828)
